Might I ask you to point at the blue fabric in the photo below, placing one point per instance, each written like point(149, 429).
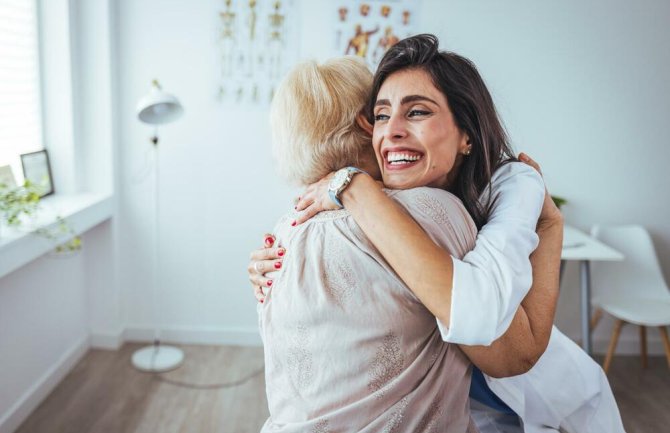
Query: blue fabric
point(480, 391)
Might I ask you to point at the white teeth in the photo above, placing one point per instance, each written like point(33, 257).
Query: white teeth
point(399, 157)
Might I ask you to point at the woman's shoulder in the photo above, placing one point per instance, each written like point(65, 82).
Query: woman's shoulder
point(519, 173)
point(518, 192)
point(434, 205)
point(425, 196)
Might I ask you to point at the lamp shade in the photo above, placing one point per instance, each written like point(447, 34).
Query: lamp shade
point(158, 107)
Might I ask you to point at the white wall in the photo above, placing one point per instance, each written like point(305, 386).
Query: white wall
point(43, 331)
point(218, 193)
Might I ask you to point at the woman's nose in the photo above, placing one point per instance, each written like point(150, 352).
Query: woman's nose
point(396, 127)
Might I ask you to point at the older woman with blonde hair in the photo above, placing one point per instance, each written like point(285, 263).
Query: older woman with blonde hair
point(347, 346)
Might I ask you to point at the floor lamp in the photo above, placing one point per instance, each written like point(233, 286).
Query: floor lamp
point(156, 108)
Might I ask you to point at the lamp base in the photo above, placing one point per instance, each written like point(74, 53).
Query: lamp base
point(157, 359)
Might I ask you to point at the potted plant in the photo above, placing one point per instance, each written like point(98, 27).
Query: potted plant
point(17, 202)
point(558, 201)
point(20, 202)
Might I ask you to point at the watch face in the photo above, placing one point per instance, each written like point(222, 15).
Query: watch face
point(338, 180)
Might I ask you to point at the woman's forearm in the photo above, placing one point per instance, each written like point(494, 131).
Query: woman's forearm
point(425, 268)
point(528, 335)
point(540, 303)
point(509, 355)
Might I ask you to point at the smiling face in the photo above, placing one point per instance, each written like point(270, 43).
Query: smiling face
point(415, 138)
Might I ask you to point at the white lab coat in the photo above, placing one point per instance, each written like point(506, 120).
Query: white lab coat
point(565, 389)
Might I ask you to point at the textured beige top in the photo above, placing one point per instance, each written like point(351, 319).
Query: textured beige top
point(348, 347)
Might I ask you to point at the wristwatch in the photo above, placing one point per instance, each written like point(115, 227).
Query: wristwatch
point(339, 183)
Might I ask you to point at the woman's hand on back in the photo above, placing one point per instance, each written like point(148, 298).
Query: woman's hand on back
point(550, 214)
point(314, 200)
point(264, 260)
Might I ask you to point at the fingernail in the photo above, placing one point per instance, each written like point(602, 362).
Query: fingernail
point(277, 265)
point(295, 207)
point(293, 223)
point(261, 300)
point(269, 240)
point(280, 252)
point(269, 283)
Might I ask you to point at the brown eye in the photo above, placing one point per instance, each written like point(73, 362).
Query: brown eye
point(414, 113)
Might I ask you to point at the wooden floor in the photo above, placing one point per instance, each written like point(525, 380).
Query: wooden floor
point(105, 394)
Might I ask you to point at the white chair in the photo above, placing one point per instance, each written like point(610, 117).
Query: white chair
point(633, 291)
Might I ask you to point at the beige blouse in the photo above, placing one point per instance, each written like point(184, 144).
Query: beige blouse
point(348, 347)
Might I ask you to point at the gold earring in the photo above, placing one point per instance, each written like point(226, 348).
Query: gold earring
point(467, 152)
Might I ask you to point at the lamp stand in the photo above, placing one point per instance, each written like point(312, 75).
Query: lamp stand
point(157, 358)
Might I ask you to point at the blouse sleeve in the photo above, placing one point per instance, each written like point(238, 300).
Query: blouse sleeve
point(491, 280)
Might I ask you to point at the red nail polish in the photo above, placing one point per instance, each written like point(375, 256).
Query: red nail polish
point(280, 252)
point(261, 300)
point(269, 240)
point(277, 265)
point(293, 223)
point(269, 283)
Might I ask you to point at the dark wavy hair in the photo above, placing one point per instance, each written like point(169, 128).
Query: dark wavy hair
point(471, 105)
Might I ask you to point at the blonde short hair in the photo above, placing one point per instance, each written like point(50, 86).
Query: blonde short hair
point(313, 118)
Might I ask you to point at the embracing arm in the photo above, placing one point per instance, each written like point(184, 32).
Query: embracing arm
point(528, 335)
point(474, 299)
point(426, 268)
point(489, 284)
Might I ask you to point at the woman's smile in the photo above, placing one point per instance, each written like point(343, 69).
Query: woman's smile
point(401, 158)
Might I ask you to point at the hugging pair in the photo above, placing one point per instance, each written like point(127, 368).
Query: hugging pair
point(375, 303)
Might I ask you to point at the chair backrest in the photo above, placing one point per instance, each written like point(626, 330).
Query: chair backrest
point(638, 275)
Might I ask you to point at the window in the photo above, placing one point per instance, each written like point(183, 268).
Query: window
point(20, 98)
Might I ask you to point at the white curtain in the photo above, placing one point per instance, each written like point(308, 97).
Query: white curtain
point(20, 100)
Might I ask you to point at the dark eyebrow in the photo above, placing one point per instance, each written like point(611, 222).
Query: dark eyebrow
point(416, 98)
point(405, 100)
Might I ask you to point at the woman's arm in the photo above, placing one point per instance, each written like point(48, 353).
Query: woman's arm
point(528, 335)
point(425, 267)
point(494, 277)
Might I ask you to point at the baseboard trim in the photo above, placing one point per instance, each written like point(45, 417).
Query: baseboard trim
point(32, 398)
point(107, 340)
point(195, 335)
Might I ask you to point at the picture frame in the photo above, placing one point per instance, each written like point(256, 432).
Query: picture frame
point(37, 170)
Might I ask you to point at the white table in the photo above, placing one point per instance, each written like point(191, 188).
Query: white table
point(578, 246)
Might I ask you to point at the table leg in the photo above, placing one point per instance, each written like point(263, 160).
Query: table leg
point(560, 274)
point(585, 274)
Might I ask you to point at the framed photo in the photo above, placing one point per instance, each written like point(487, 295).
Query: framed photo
point(37, 170)
point(7, 177)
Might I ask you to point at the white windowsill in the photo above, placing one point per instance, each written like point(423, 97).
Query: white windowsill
point(84, 211)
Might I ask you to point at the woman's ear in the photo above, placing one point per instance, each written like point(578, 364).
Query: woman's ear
point(362, 121)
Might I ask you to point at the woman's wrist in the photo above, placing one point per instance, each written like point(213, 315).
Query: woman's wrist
point(359, 186)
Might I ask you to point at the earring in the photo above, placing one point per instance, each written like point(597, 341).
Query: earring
point(467, 152)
